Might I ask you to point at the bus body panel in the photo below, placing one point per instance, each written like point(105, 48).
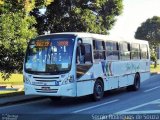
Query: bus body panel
point(114, 73)
point(111, 82)
point(118, 74)
point(85, 83)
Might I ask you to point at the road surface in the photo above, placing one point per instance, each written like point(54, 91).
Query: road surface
point(146, 100)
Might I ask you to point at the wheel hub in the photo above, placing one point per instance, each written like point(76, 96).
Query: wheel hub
point(99, 90)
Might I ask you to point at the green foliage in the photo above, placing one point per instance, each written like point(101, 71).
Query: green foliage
point(153, 56)
point(1, 2)
point(96, 16)
point(150, 30)
point(16, 28)
point(19, 18)
point(153, 69)
point(14, 33)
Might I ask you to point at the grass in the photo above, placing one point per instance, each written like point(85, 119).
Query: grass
point(157, 69)
point(10, 93)
point(6, 92)
point(15, 79)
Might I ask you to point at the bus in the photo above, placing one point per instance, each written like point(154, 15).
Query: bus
point(56, 65)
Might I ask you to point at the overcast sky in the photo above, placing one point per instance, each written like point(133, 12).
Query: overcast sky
point(134, 13)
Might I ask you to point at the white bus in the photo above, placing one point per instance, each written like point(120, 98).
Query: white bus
point(58, 65)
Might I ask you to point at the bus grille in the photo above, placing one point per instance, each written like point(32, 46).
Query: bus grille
point(47, 90)
point(46, 82)
point(46, 78)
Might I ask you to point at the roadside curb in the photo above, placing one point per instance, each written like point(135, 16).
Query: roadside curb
point(155, 73)
point(6, 101)
point(11, 94)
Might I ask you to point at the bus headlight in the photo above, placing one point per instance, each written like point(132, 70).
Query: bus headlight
point(26, 80)
point(68, 80)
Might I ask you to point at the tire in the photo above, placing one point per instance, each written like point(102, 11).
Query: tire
point(55, 99)
point(136, 85)
point(98, 90)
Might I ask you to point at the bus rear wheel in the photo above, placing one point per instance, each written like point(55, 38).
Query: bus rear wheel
point(98, 90)
point(136, 85)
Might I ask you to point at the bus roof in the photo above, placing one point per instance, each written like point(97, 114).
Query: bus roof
point(100, 37)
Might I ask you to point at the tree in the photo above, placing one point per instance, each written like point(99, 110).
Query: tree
point(96, 16)
point(16, 28)
point(20, 20)
point(154, 58)
point(150, 30)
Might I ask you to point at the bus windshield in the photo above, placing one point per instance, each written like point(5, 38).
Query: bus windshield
point(51, 55)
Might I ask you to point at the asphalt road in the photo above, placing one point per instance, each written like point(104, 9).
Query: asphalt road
point(144, 101)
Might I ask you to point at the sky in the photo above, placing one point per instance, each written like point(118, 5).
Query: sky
point(134, 13)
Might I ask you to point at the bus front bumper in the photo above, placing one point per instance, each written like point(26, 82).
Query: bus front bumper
point(67, 90)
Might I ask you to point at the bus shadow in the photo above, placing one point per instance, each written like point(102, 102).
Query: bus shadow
point(87, 99)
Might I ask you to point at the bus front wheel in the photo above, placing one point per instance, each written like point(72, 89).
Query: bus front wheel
point(98, 90)
point(136, 85)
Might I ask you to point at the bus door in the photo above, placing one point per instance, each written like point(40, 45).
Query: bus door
point(84, 68)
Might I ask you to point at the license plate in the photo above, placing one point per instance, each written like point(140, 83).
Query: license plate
point(38, 83)
point(46, 88)
point(43, 83)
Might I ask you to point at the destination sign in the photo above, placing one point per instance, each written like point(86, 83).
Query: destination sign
point(41, 43)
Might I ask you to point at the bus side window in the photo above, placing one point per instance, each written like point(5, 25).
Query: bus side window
point(112, 52)
point(80, 52)
point(88, 54)
point(125, 51)
point(135, 51)
point(99, 49)
point(144, 51)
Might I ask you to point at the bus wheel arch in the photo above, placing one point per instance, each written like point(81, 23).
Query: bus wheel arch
point(98, 89)
point(136, 84)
